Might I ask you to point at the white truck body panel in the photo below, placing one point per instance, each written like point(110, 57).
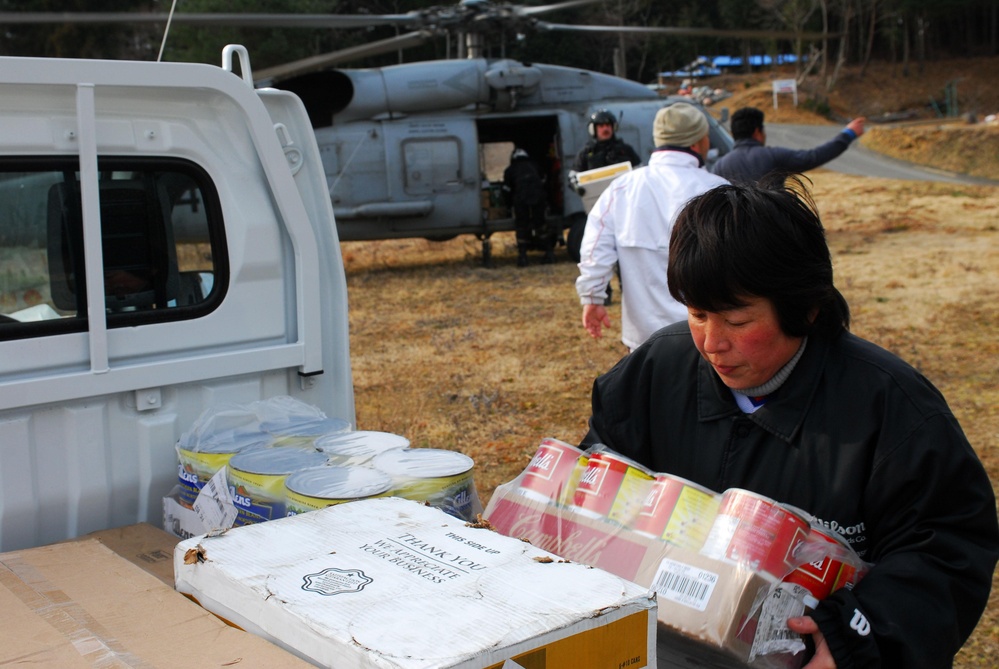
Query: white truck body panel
point(89, 418)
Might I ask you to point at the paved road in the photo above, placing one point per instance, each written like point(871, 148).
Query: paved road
point(857, 159)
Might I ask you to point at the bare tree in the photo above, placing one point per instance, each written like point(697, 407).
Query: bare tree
point(846, 18)
point(794, 14)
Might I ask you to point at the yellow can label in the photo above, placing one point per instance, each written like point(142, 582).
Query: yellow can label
point(194, 469)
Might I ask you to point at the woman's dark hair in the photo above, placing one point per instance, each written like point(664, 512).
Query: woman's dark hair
point(765, 240)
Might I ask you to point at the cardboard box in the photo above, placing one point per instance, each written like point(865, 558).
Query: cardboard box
point(79, 604)
point(692, 591)
point(708, 611)
point(392, 583)
point(145, 546)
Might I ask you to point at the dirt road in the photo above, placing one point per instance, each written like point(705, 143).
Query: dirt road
point(859, 160)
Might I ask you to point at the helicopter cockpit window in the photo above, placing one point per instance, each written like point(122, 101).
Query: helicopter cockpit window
point(432, 165)
point(162, 245)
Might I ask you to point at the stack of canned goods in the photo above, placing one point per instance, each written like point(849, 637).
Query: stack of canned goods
point(736, 526)
point(225, 431)
point(602, 484)
point(274, 476)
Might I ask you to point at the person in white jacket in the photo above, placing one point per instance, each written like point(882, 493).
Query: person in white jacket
point(631, 222)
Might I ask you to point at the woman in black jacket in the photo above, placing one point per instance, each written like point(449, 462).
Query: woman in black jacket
point(764, 388)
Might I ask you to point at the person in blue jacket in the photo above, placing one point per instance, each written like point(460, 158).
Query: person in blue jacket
point(750, 160)
point(764, 388)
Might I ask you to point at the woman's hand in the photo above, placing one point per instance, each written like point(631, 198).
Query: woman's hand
point(823, 658)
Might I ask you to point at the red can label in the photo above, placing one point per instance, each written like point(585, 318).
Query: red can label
point(847, 577)
point(549, 474)
point(611, 486)
point(818, 577)
point(677, 511)
point(756, 532)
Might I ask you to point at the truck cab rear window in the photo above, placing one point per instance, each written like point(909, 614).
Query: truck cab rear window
point(162, 244)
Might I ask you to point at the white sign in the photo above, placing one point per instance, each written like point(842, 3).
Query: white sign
point(785, 86)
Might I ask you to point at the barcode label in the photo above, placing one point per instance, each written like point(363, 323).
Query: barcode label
point(684, 584)
point(785, 600)
point(214, 504)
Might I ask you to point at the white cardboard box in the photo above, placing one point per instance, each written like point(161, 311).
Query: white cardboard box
point(594, 182)
point(391, 583)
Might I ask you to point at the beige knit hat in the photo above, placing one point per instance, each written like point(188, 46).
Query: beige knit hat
point(680, 124)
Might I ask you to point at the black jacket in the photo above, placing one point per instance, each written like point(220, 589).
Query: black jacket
point(600, 154)
point(523, 182)
point(856, 437)
point(749, 161)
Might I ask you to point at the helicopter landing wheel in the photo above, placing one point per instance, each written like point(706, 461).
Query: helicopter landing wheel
point(487, 252)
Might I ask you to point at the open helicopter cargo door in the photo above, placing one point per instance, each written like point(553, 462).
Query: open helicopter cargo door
point(591, 183)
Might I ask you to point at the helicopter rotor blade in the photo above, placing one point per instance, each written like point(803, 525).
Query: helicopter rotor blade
point(227, 19)
point(431, 19)
point(687, 32)
point(544, 9)
point(316, 63)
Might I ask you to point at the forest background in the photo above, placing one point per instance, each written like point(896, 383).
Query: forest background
point(908, 32)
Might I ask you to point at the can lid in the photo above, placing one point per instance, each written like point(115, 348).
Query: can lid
point(423, 462)
point(229, 441)
point(328, 482)
point(667, 477)
point(276, 461)
point(361, 442)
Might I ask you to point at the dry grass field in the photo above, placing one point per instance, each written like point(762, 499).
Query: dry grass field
point(490, 361)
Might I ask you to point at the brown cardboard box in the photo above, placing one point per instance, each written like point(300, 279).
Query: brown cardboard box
point(80, 604)
point(144, 545)
point(709, 613)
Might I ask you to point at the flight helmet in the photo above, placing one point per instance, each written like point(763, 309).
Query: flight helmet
point(599, 117)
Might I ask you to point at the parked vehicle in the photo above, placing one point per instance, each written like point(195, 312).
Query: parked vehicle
point(167, 243)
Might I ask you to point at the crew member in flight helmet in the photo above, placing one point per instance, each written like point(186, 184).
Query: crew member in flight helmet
point(605, 147)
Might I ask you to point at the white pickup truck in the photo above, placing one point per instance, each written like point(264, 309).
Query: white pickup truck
point(167, 243)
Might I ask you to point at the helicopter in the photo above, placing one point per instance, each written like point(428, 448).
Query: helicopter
point(417, 150)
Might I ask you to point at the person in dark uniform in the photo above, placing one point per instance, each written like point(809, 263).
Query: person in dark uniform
point(604, 147)
point(525, 189)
